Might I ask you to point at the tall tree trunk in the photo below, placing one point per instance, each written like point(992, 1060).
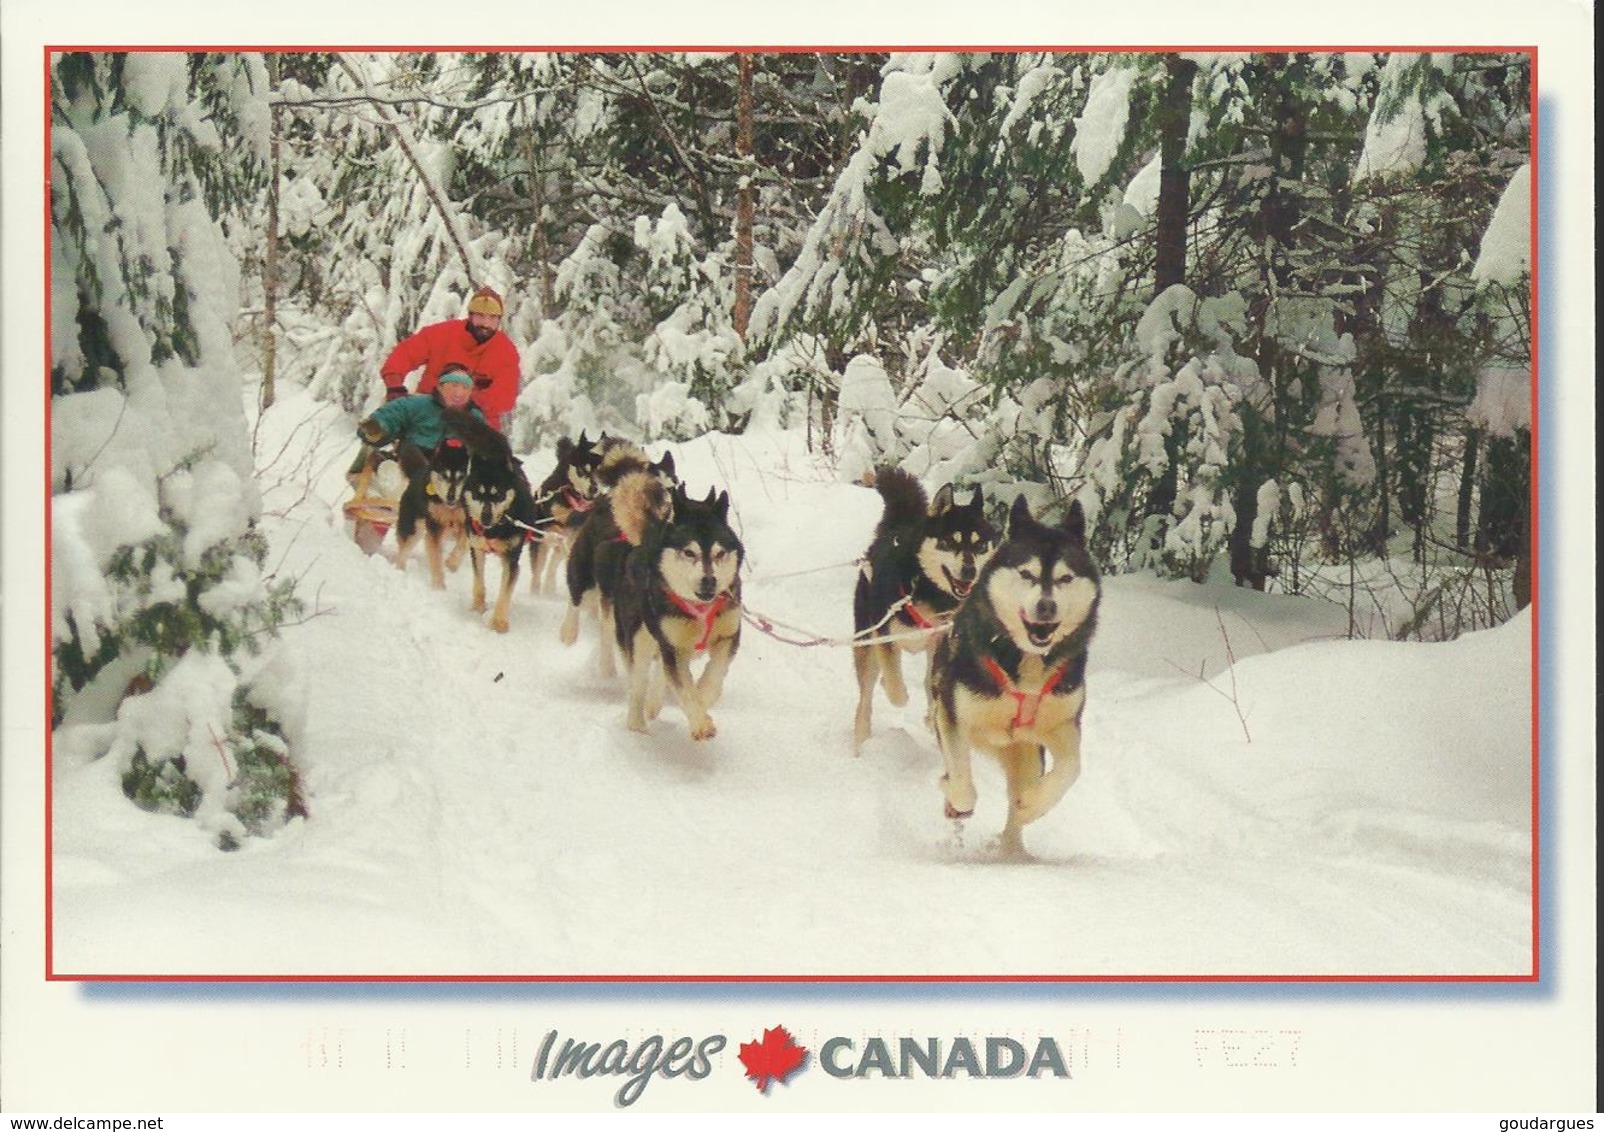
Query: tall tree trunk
point(270, 258)
point(1169, 265)
point(1174, 180)
point(1274, 227)
point(742, 314)
point(542, 249)
point(1467, 488)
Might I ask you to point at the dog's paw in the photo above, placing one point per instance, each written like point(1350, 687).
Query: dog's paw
point(956, 814)
point(569, 632)
point(1010, 846)
point(704, 730)
point(1037, 799)
point(500, 625)
point(960, 799)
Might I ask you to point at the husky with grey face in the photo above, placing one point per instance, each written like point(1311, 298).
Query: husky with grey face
point(680, 599)
point(1009, 677)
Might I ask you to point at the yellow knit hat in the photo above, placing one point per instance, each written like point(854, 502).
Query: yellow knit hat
point(485, 301)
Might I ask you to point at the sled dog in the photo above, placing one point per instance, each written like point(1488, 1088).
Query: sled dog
point(680, 598)
point(562, 501)
point(923, 560)
point(434, 498)
point(499, 509)
point(617, 458)
point(615, 525)
point(1009, 678)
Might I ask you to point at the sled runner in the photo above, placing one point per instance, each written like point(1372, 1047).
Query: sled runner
point(372, 510)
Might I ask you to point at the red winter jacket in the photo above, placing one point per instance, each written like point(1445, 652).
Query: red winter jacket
point(435, 347)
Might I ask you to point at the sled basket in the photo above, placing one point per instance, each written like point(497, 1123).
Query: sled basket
point(370, 513)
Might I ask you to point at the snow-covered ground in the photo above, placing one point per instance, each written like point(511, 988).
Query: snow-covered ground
point(1320, 807)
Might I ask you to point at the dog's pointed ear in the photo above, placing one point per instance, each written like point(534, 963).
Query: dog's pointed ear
point(1075, 522)
point(666, 464)
point(1019, 515)
point(942, 503)
point(721, 506)
point(977, 500)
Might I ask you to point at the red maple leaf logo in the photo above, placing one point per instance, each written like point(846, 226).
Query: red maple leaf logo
point(774, 1058)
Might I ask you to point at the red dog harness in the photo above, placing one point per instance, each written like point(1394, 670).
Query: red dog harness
point(911, 614)
point(1034, 699)
point(704, 613)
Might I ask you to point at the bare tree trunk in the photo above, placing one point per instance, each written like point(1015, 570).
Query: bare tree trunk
point(1174, 180)
point(1273, 229)
point(742, 314)
point(1169, 268)
point(537, 197)
point(270, 258)
point(1467, 488)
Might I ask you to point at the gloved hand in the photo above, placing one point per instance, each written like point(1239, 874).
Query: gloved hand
point(371, 431)
point(391, 392)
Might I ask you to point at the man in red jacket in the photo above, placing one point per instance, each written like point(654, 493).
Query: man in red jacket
point(475, 342)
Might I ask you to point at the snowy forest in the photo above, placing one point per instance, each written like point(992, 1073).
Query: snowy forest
point(1267, 317)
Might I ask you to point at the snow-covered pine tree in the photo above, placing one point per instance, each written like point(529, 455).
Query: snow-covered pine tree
point(160, 586)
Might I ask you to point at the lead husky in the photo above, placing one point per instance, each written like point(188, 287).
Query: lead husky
point(1009, 677)
point(680, 598)
point(922, 561)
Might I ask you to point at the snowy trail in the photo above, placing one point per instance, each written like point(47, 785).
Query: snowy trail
point(479, 807)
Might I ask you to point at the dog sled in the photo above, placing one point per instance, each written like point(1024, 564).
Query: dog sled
point(377, 483)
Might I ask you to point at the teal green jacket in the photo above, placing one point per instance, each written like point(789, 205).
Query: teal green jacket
point(415, 418)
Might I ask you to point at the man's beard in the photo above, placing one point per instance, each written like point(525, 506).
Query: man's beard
point(481, 334)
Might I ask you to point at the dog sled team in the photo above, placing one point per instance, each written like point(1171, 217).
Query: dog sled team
point(1005, 616)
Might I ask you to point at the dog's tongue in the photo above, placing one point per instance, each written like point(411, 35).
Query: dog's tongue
point(1039, 632)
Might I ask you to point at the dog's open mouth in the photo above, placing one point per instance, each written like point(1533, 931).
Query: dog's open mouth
point(959, 589)
point(1039, 633)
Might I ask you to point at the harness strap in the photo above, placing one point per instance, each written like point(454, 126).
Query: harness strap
point(704, 612)
point(1021, 699)
point(910, 612)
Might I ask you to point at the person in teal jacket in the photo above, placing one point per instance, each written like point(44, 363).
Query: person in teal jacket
point(414, 422)
point(417, 418)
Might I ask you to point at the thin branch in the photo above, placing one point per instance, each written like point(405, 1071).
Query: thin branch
point(409, 148)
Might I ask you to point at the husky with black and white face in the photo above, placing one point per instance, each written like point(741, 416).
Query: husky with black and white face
point(923, 560)
point(680, 599)
point(1010, 676)
point(562, 501)
point(434, 499)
